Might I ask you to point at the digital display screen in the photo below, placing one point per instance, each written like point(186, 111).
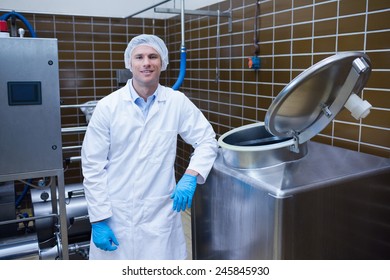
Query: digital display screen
point(24, 93)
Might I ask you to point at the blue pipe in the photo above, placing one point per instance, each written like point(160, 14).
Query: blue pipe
point(22, 18)
point(182, 73)
point(23, 194)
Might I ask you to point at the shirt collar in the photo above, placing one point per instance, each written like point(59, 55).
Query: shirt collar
point(134, 95)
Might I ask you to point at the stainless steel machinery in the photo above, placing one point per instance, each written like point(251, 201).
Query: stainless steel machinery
point(30, 142)
point(78, 225)
point(30, 123)
point(273, 194)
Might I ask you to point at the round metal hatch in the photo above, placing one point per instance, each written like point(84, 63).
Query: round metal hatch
point(313, 99)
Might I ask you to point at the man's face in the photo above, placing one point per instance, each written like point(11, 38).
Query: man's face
point(145, 66)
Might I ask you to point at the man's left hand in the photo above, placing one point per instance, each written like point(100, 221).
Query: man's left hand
point(184, 191)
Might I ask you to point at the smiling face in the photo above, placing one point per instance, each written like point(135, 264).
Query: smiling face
point(146, 68)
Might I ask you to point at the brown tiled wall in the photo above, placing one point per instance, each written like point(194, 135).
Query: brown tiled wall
point(293, 35)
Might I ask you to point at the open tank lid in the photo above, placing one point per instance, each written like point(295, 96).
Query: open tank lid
point(314, 98)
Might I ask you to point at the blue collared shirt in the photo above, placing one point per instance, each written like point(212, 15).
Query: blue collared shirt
point(144, 106)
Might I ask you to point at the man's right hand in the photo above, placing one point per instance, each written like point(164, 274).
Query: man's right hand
point(103, 237)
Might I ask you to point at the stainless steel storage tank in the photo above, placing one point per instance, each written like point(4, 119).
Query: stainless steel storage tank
point(273, 194)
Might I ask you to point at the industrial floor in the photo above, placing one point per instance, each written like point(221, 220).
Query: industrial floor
point(186, 218)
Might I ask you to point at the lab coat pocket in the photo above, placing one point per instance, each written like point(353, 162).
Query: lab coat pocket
point(162, 146)
point(160, 235)
point(158, 214)
point(120, 221)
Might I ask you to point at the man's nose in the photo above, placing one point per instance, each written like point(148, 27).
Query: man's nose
point(146, 61)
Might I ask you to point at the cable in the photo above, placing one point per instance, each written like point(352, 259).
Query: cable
point(254, 61)
point(255, 33)
point(23, 194)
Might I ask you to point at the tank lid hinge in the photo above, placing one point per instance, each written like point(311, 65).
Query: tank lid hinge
point(295, 146)
point(325, 109)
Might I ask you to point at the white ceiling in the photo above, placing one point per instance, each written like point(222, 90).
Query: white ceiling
point(99, 8)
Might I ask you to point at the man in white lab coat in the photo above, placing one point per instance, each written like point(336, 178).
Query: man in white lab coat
point(128, 157)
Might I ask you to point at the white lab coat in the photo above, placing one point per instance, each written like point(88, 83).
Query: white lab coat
point(128, 168)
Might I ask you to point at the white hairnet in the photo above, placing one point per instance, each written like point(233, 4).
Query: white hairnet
point(147, 40)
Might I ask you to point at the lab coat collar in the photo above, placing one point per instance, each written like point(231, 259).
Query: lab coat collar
point(160, 97)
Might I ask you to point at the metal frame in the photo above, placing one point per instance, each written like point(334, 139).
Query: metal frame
point(151, 7)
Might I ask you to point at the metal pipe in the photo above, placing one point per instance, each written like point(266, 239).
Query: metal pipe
point(75, 159)
point(63, 215)
point(77, 106)
point(183, 52)
point(80, 248)
point(74, 248)
point(151, 7)
point(20, 248)
point(73, 129)
point(49, 253)
point(192, 12)
point(72, 159)
point(182, 23)
point(217, 50)
point(255, 35)
point(71, 147)
point(27, 219)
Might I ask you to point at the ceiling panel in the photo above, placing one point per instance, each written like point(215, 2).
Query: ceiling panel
point(98, 8)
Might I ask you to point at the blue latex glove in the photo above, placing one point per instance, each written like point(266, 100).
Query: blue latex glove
point(103, 237)
point(184, 191)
